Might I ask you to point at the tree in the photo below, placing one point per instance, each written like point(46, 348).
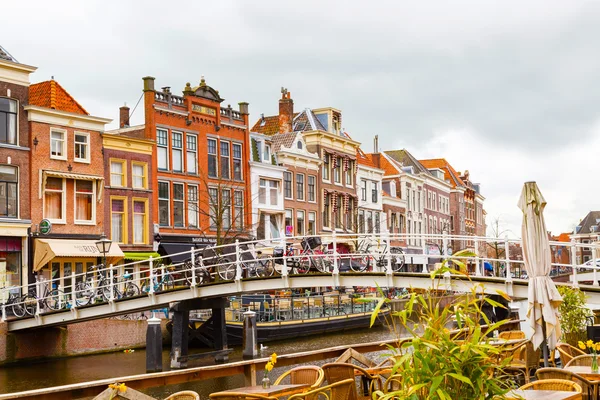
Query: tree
point(496, 247)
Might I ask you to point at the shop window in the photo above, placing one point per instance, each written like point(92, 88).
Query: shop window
point(162, 146)
point(82, 147)
point(118, 219)
point(163, 204)
point(58, 144)
point(8, 121)
point(178, 201)
point(237, 161)
point(10, 251)
point(117, 173)
point(140, 221)
point(289, 224)
point(139, 175)
point(192, 192)
point(192, 153)
point(9, 181)
point(54, 199)
point(84, 201)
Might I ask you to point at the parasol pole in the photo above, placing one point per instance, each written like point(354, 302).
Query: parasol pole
point(544, 342)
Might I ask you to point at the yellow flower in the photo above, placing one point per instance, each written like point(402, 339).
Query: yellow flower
point(581, 345)
point(590, 343)
point(269, 366)
point(274, 358)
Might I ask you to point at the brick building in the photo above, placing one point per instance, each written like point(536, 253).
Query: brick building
point(201, 170)
point(15, 218)
point(67, 183)
point(586, 232)
point(127, 193)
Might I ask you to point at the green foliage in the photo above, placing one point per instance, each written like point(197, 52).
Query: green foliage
point(437, 362)
point(255, 151)
point(573, 310)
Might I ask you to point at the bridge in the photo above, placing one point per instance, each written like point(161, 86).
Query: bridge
point(249, 267)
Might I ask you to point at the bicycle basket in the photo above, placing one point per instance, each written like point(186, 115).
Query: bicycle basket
point(278, 255)
point(312, 242)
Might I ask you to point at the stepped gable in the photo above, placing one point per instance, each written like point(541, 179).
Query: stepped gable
point(50, 94)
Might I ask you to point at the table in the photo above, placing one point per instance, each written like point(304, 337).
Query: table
point(585, 371)
point(274, 390)
point(542, 395)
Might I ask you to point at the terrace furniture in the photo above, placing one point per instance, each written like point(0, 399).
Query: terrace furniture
point(568, 352)
point(393, 383)
point(240, 396)
point(590, 388)
point(553, 384)
point(341, 390)
point(308, 374)
point(525, 359)
point(336, 372)
point(508, 335)
point(184, 395)
point(584, 360)
point(541, 395)
point(258, 392)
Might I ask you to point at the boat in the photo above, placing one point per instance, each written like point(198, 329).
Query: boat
point(287, 317)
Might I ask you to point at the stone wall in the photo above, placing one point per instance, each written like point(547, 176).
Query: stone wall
point(99, 336)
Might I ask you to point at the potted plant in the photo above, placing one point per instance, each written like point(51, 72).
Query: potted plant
point(573, 315)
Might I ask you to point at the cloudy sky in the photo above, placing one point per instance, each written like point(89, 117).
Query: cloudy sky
point(508, 90)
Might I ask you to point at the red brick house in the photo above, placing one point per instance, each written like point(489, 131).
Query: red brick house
point(67, 183)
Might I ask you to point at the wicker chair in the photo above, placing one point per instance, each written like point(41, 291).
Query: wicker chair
point(336, 391)
point(310, 374)
point(553, 384)
point(240, 396)
point(525, 359)
point(584, 360)
point(567, 352)
point(511, 335)
point(336, 372)
point(393, 383)
point(590, 388)
point(185, 395)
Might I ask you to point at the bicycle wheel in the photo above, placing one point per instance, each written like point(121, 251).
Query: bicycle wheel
point(105, 290)
point(131, 289)
point(226, 269)
point(265, 266)
point(360, 262)
point(167, 282)
point(29, 302)
point(56, 300)
point(303, 266)
point(318, 261)
point(83, 293)
point(397, 259)
point(17, 307)
point(201, 275)
point(145, 288)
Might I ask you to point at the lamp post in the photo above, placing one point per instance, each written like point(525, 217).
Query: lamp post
point(103, 246)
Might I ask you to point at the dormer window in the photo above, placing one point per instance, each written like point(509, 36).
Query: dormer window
point(393, 189)
point(267, 152)
point(299, 145)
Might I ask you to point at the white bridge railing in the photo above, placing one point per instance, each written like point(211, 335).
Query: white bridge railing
point(333, 255)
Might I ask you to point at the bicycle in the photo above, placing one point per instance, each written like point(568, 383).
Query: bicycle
point(362, 262)
point(166, 281)
point(85, 293)
point(312, 256)
point(53, 299)
point(14, 302)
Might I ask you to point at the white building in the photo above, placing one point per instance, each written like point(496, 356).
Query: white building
point(369, 181)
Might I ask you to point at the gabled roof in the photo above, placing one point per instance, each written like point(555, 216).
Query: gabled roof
point(407, 159)
point(593, 218)
point(50, 94)
point(389, 166)
point(282, 140)
point(450, 173)
point(267, 125)
point(564, 237)
point(363, 159)
point(5, 55)
point(307, 121)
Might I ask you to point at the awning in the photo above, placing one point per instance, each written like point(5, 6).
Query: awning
point(166, 249)
point(68, 175)
point(140, 255)
point(47, 249)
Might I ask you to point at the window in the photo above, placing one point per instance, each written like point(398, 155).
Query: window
point(84, 201)
point(82, 143)
point(117, 173)
point(349, 174)
point(337, 177)
point(299, 186)
point(311, 187)
point(117, 219)
point(338, 212)
point(54, 199)
point(374, 192)
point(361, 221)
point(348, 224)
point(163, 203)
point(363, 190)
point(325, 167)
point(299, 145)
point(237, 161)
point(178, 205)
point(370, 222)
point(326, 210)
point(191, 147)
point(289, 224)
point(267, 153)
point(268, 188)
point(262, 191)
point(140, 221)
point(238, 209)
point(225, 160)
point(192, 192)
point(8, 121)
point(177, 150)
point(393, 189)
point(377, 222)
point(268, 227)
point(213, 204)
point(212, 158)
point(139, 179)
point(287, 185)
point(9, 180)
point(58, 148)
point(299, 222)
point(311, 228)
point(226, 208)
point(162, 145)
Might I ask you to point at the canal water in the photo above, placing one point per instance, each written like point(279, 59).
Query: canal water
point(65, 371)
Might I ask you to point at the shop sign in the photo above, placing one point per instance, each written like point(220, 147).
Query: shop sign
point(45, 227)
point(289, 230)
point(204, 110)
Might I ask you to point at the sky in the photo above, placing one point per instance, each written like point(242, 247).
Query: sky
point(507, 90)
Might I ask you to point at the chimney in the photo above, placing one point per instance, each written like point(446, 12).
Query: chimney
point(148, 83)
point(243, 107)
point(124, 116)
point(286, 111)
point(376, 144)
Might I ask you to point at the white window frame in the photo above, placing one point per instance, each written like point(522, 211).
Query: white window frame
point(191, 152)
point(177, 150)
point(16, 143)
point(303, 226)
point(192, 207)
point(312, 217)
point(303, 187)
point(168, 199)
point(313, 198)
point(84, 222)
point(63, 211)
point(85, 160)
point(215, 155)
point(239, 159)
point(180, 201)
point(64, 143)
point(166, 150)
point(291, 175)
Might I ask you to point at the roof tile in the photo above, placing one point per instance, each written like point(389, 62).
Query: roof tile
point(51, 94)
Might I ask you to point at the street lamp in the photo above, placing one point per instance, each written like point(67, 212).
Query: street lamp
point(103, 246)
